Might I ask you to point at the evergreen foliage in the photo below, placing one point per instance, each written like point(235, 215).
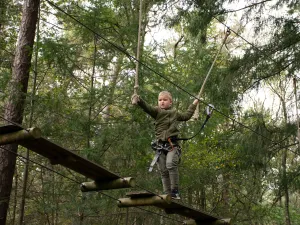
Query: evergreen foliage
point(233, 169)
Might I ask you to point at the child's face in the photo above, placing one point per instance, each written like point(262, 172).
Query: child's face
point(164, 101)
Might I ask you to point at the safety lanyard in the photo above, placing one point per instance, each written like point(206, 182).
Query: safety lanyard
point(209, 110)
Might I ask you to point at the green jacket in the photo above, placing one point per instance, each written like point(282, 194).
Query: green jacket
point(166, 120)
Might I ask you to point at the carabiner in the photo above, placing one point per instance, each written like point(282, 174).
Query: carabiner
point(228, 32)
point(209, 109)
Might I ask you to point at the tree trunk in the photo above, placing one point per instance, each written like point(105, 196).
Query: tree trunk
point(281, 93)
point(16, 101)
point(202, 198)
point(284, 173)
point(26, 162)
point(2, 10)
point(15, 199)
point(45, 213)
point(53, 197)
point(225, 192)
point(113, 84)
point(297, 115)
point(89, 135)
point(92, 94)
point(285, 189)
point(190, 195)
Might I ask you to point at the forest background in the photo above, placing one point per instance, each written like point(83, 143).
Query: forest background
point(80, 78)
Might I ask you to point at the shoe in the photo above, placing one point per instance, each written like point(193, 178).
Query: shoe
point(175, 194)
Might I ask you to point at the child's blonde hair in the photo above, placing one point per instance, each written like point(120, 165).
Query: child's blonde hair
point(166, 93)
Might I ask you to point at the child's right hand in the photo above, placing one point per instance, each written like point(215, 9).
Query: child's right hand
point(135, 99)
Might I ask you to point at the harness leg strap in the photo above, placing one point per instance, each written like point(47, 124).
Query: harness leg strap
point(171, 144)
point(157, 154)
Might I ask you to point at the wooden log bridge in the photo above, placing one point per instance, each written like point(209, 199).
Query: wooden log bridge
point(31, 139)
point(102, 178)
point(164, 202)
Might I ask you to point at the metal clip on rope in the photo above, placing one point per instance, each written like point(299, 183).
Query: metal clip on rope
point(209, 110)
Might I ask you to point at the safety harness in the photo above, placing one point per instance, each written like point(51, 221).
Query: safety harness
point(167, 146)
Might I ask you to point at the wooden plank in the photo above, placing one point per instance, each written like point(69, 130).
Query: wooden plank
point(179, 208)
point(59, 155)
point(6, 129)
point(175, 207)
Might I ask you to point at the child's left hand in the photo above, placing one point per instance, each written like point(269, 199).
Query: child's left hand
point(196, 101)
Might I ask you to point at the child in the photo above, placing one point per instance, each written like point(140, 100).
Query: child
point(166, 132)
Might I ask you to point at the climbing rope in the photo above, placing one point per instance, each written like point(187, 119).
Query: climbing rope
point(297, 115)
point(196, 114)
point(212, 65)
point(136, 83)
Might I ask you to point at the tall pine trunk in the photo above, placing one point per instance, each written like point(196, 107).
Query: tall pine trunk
point(284, 173)
point(26, 162)
point(280, 91)
point(16, 101)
